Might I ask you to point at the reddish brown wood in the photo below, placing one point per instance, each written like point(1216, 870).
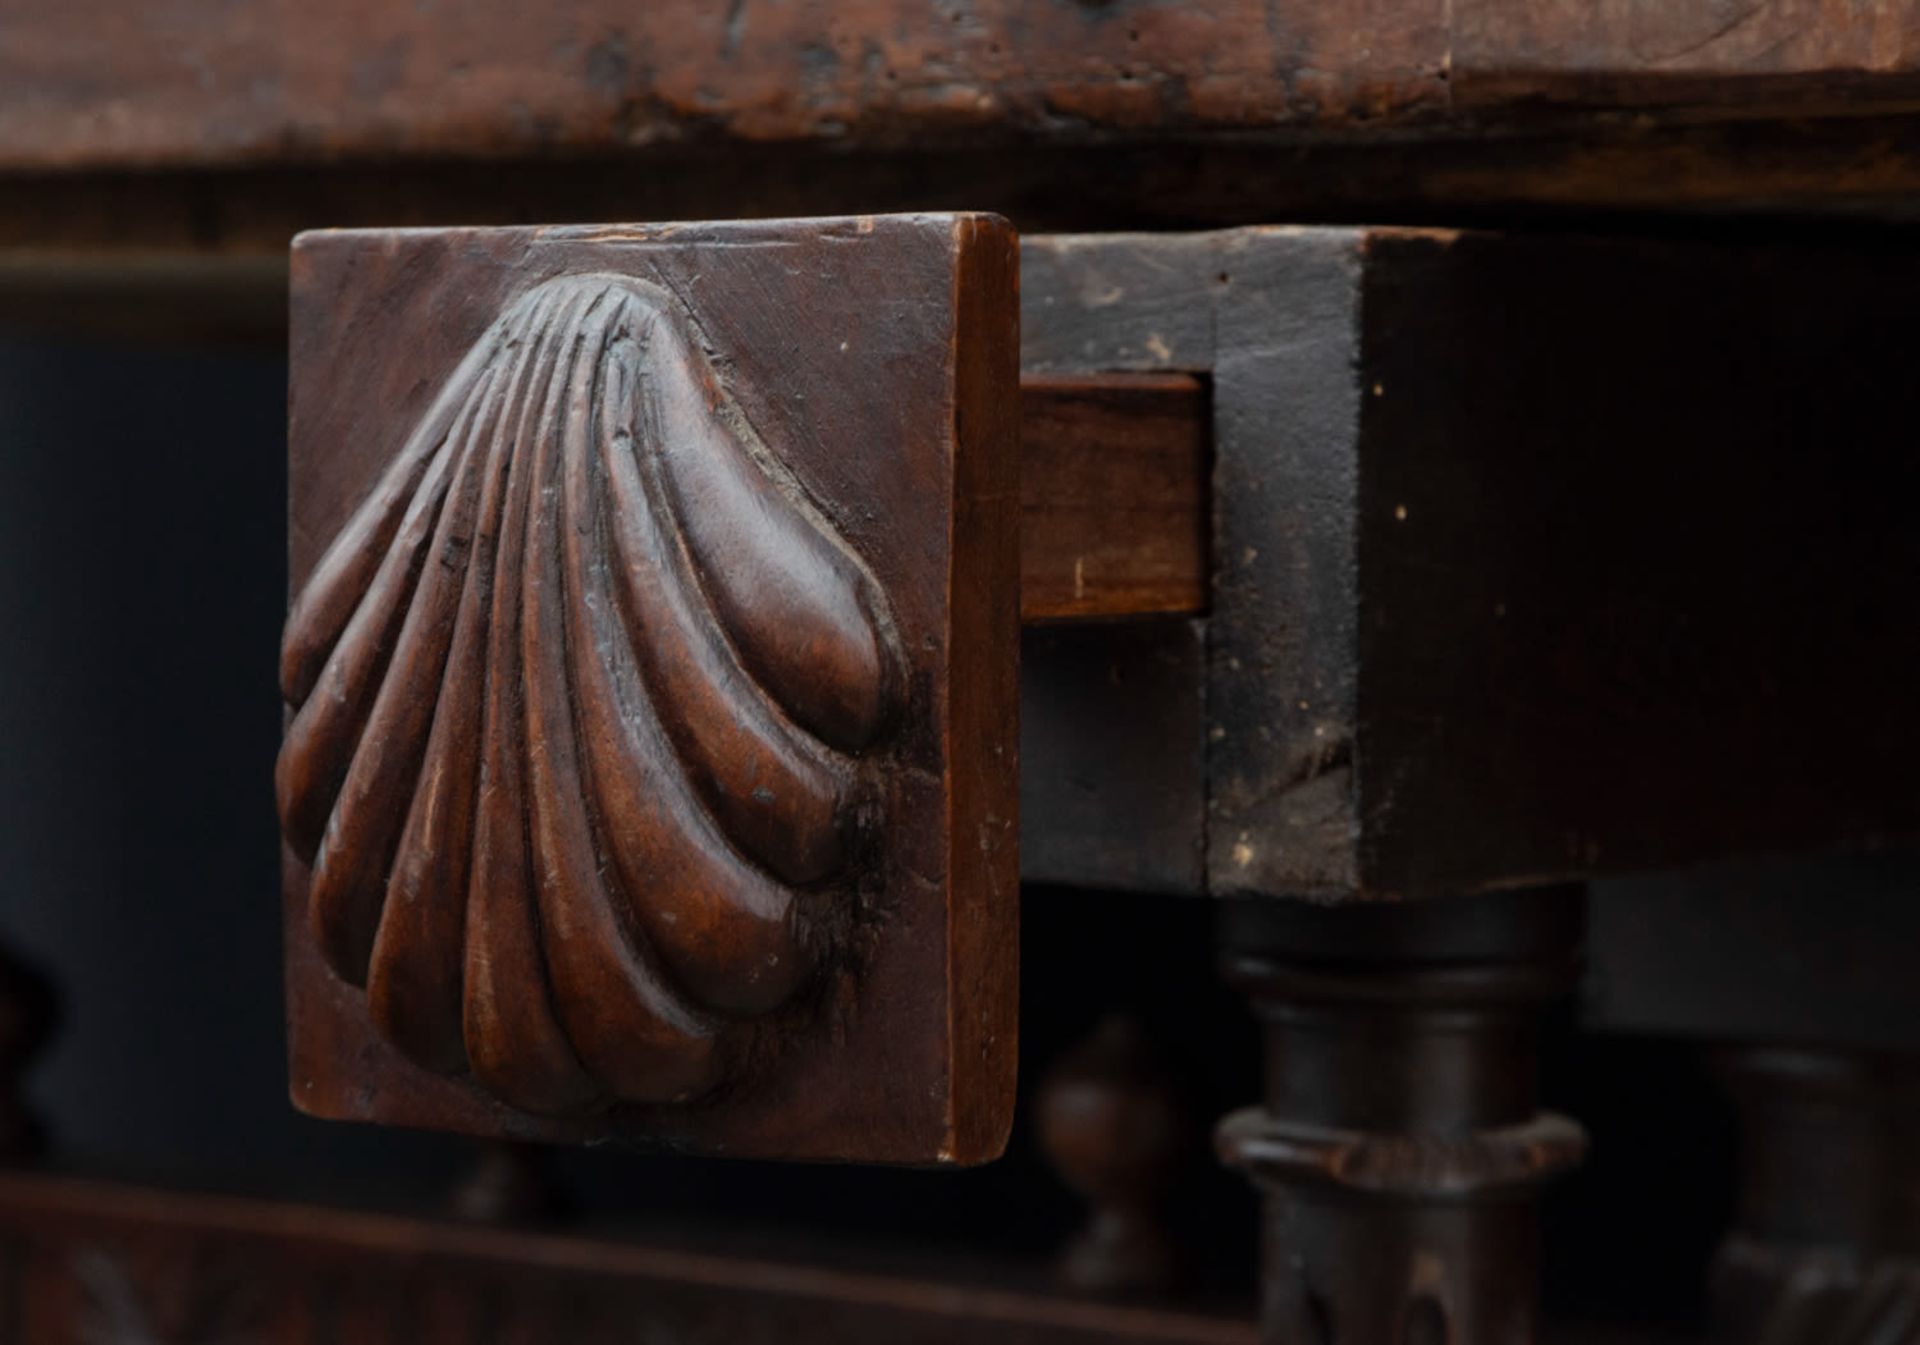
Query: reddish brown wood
point(94, 84)
point(1113, 495)
point(650, 761)
point(370, 77)
point(1796, 56)
point(84, 1263)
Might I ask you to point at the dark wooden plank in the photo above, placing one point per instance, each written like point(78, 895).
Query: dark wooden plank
point(1113, 496)
point(1842, 166)
point(174, 82)
point(651, 762)
point(91, 1261)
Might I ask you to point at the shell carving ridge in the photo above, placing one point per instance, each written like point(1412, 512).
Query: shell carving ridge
point(580, 698)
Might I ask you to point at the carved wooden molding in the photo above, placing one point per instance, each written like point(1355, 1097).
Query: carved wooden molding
point(609, 768)
point(586, 629)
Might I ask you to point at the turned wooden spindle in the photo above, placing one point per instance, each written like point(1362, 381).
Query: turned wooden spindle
point(1400, 1143)
point(1826, 1242)
point(1111, 1123)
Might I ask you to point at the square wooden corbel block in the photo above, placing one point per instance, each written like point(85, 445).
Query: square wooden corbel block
point(650, 764)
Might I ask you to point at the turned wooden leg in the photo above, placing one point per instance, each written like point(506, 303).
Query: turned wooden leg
point(1399, 1147)
point(1826, 1243)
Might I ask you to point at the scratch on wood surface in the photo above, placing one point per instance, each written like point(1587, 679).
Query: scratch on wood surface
point(1713, 37)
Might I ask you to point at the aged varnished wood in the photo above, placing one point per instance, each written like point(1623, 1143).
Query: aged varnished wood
point(180, 82)
point(650, 759)
point(97, 1264)
point(172, 130)
point(512, 642)
point(1399, 1143)
point(1113, 496)
point(1638, 357)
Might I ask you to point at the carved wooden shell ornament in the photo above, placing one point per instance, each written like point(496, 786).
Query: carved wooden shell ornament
point(580, 694)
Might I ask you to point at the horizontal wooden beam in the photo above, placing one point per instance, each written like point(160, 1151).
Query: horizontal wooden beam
point(275, 1271)
point(1868, 164)
point(96, 84)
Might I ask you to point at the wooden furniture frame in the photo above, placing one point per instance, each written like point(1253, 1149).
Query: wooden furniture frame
point(1381, 584)
point(1384, 406)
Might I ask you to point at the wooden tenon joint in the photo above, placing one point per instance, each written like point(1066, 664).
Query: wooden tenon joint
point(1114, 495)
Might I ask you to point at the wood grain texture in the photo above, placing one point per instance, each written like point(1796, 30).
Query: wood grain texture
point(92, 84)
point(653, 697)
point(1113, 496)
point(1792, 55)
point(1281, 679)
point(87, 1263)
point(366, 78)
point(1113, 731)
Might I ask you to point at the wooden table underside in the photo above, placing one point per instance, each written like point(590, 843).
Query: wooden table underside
point(99, 85)
point(187, 127)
